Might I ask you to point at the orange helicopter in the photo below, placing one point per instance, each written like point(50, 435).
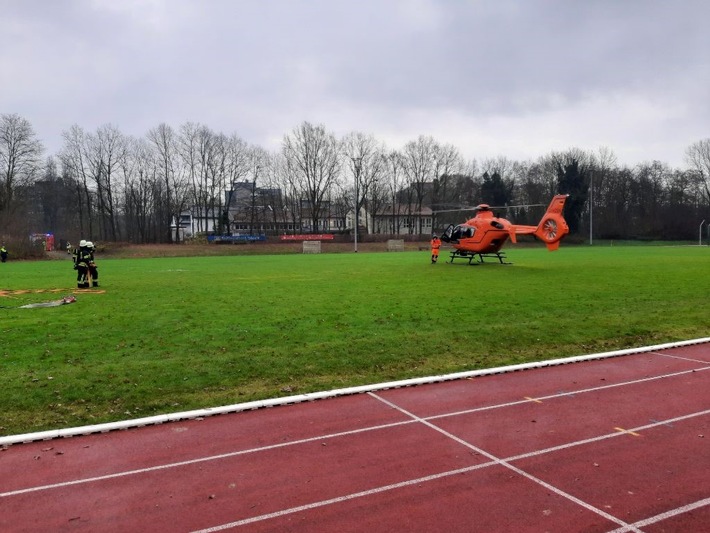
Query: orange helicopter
point(484, 234)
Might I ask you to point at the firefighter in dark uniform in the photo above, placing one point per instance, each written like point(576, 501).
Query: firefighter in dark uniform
point(75, 253)
point(93, 269)
point(82, 258)
point(81, 264)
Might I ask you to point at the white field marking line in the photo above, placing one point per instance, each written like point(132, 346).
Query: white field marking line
point(345, 498)
point(300, 398)
point(341, 434)
point(433, 477)
point(504, 463)
point(667, 514)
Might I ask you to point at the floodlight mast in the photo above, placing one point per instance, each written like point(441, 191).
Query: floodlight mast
point(591, 202)
point(357, 162)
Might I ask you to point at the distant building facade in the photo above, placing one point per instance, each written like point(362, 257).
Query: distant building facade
point(252, 210)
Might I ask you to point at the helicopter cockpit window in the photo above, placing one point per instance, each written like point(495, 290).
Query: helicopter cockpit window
point(463, 232)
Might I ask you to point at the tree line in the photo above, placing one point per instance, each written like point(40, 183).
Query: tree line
point(105, 185)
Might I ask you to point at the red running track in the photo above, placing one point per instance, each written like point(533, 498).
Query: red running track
point(619, 444)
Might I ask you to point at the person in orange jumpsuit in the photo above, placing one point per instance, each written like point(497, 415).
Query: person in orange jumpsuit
point(435, 245)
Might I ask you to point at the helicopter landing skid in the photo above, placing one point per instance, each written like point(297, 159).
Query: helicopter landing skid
point(474, 258)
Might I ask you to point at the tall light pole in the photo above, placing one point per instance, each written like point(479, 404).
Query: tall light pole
point(700, 233)
point(357, 162)
point(591, 204)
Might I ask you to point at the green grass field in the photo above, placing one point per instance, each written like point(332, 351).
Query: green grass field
point(173, 334)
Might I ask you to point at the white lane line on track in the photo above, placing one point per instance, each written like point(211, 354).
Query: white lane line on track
point(680, 357)
point(655, 424)
point(570, 393)
point(664, 516)
point(344, 498)
point(504, 463)
point(201, 459)
point(356, 431)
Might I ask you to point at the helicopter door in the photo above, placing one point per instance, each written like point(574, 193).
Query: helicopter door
point(448, 233)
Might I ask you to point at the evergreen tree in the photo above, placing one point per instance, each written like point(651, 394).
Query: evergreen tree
point(494, 190)
point(573, 180)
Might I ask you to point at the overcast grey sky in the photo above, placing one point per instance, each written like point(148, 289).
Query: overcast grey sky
point(518, 78)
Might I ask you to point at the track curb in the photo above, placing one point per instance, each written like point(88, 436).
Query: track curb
point(308, 397)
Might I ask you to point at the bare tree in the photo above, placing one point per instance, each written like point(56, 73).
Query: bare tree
point(285, 203)
point(137, 189)
point(602, 162)
point(197, 151)
point(419, 168)
point(647, 189)
point(394, 184)
point(50, 203)
point(140, 185)
point(503, 177)
point(76, 166)
point(247, 166)
point(313, 165)
point(104, 153)
point(216, 180)
point(170, 172)
point(448, 169)
point(364, 158)
point(273, 192)
point(257, 165)
point(500, 165)
point(96, 164)
point(698, 157)
point(20, 157)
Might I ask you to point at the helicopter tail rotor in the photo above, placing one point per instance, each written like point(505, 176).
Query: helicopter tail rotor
point(553, 226)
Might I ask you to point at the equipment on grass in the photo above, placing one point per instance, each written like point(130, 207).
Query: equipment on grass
point(70, 299)
point(484, 234)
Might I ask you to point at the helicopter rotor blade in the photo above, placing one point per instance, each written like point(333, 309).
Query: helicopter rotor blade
point(478, 207)
point(457, 210)
point(516, 206)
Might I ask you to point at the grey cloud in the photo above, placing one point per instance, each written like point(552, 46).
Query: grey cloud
point(258, 67)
